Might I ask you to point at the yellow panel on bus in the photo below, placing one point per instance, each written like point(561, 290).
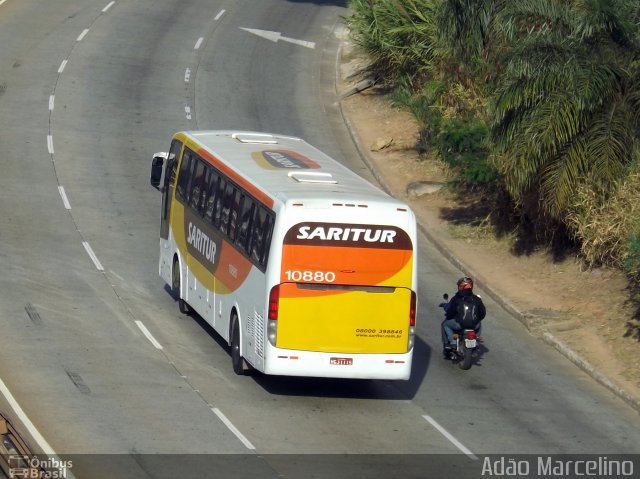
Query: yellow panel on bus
point(357, 321)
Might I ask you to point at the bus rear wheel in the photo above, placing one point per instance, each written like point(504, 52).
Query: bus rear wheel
point(236, 357)
point(175, 286)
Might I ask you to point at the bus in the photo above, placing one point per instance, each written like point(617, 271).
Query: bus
point(299, 264)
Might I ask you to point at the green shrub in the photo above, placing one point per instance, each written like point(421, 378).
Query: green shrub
point(632, 261)
point(463, 146)
point(607, 227)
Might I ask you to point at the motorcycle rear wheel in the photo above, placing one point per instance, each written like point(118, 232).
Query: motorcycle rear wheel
point(467, 357)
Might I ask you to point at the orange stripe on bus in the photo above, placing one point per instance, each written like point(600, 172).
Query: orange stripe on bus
point(259, 195)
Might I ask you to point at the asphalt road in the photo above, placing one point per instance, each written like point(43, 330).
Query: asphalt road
point(89, 90)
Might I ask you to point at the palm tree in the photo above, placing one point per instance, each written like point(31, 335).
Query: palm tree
point(566, 108)
point(398, 35)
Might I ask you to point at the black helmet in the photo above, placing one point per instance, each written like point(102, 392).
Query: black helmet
point(465, 283)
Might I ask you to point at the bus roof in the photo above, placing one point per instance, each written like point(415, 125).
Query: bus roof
point(285, 167)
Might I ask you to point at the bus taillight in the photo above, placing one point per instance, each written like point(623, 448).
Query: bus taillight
point(412, 321)
point(412, 310)
point(272, 324)
point(274, 297)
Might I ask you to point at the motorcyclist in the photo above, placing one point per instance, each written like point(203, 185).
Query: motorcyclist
point(452, 321)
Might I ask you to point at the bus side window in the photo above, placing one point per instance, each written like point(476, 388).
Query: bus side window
point(257, 236)
point(211, 198)
point(266, 240)
point(246, 220)
point(204, 192)
point(234, 213)
point(217, 209)
point(184, 176)
point(197, 184)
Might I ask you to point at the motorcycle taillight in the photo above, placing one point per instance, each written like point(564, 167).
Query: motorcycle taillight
point(471, 335)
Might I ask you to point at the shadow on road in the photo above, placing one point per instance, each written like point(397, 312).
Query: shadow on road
point(338, 388)
point(352, 388)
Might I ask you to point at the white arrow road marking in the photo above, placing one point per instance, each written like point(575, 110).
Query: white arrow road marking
point(276, 36)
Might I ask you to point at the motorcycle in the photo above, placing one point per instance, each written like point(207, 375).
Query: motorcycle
point(466, 343)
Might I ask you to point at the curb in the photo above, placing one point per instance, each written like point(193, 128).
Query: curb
point(530, 322)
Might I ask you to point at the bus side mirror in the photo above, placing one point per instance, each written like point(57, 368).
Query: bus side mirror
point(158, 170)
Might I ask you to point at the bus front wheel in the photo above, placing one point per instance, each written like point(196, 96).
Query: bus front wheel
point(175, 286)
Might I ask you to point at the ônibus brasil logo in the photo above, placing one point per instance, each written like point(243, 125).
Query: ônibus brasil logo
point(34, 467)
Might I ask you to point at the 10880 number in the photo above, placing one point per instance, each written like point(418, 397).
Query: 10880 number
point(310, 276)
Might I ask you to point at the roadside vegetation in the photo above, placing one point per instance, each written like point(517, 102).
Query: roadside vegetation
point(535, 107)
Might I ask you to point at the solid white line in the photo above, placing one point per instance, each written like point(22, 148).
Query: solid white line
point(2, 1)
point(198, 43)
point(92, 255)
point(50, 144)
point(219, 15)
point(65, 200)
point(149, 336)
point(42, 442)
point(62, 65)
point(108, 7)
point(232, 428)
point(52, 99)
point(82, 35)
point(448, 435)
point(33, 430)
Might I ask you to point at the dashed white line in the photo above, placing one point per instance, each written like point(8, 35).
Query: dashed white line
point(62, 65)
point(187, 110)
point(232, 428)
point(50, 144)
point(149, 336)
point(65, 200)
point(109, 5)
point(2, 1)
point(52, 100)
point(187, 75)
point(93, 256)
point(220, 13)
point(198, 43)
point(82, 35)
point(449, 436)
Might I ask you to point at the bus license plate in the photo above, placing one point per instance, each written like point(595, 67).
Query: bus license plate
point(341, 361)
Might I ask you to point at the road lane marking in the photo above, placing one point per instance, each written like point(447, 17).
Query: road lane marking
point(449, 436)
point(52, 100)
point(187, 75)
point(148, 334)
point(220, 13)
point(198, 43)
point(33, 430)
point(62, 65)
point(82, 35)
point(2, 1)
point(187, 110)
point(50, 144)
point(24, 419)
point(109, 5)
point(65, 200)
point(92, 255)
point(232, 428)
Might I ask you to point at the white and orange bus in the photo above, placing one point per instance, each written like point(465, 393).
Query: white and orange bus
point(300, 265)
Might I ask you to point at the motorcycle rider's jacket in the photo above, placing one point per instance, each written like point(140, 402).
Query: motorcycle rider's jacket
point(466, 308)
